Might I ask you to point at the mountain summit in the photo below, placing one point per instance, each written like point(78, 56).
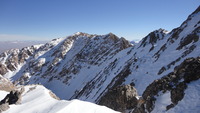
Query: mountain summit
point(91, 67)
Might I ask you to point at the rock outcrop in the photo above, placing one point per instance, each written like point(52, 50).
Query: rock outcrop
point(152, 38)
point(14, 97)
point(85, 66)
point(175, 83)
point(120, 98)
point(6, 85)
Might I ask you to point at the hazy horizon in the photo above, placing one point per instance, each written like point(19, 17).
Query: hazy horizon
point(49, 19)
point(8, 45)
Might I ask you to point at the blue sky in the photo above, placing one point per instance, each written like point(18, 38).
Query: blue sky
point(48, 19)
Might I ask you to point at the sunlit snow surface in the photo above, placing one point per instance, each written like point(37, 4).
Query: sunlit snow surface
point(3, 94)
point(189, 104)
point(191, 100)
point(38, 100)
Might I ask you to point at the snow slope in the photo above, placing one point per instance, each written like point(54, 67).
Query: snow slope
point(37, 99)
point(3, 94)
point(191, 100)
point(85, 67)
point(189, 104)
point(67, 63)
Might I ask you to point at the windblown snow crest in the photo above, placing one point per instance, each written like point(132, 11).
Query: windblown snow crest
point(86, 67)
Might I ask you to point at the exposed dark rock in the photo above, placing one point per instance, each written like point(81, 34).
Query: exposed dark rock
point(170, 106)
point(11, 67)
point(187, 40)
point(175, 82)
point(173, 63)
point(192, 37)
point(6, 85)
point(152, 38)
point(12, 60)
point(188, 51)
point(14, 97)
point(112, 37)
point(120, 98)
point(3, 54)
point(177, 93)
point(120, 78)
point(24, 54)
point(3, 69)
point(175, 34)
point(125, 43)
point(162, 49)
point(151, 48)
point(196, 11)
point(189, 69)
point(161, 70)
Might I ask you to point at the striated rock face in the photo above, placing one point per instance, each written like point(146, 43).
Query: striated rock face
point(175, 83)
point(12, 59)
point(14, 97)
point(63, 60)
point(120, 98)
point(153, 37)
point(6, 85)
point(84, 66)
point(3, 69)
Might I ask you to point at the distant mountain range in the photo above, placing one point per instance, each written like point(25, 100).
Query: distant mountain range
point(7, 45)
point(159, 74)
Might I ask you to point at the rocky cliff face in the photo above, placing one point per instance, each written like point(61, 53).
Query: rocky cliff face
point(174, 84)
point(87, 67)
point(150, 69)
point(5, 84)
point(14, 97)
point(78, 60)
point(121, 98)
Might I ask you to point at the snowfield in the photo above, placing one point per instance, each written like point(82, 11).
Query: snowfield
point(86, 66)
point(37, 99)
point(3, 94)
point(191, 100)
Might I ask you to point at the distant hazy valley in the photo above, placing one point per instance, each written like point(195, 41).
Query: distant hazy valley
point(7, 45)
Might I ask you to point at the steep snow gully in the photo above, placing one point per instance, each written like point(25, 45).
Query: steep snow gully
point(95, 67)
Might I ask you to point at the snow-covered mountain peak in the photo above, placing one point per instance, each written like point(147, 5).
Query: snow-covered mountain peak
point(196, 11)
point(82, 34)
point(83, 66)
point(152, 39)
point(113, 37)
point(162, 31)
point(189, 26)
point(63, 59)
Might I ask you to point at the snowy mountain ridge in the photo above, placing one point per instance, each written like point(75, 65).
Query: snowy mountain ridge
point(86, 67)
point(37, 98)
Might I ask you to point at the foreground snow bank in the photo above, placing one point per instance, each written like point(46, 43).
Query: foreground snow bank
point(37, 99)
point(3, 94)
